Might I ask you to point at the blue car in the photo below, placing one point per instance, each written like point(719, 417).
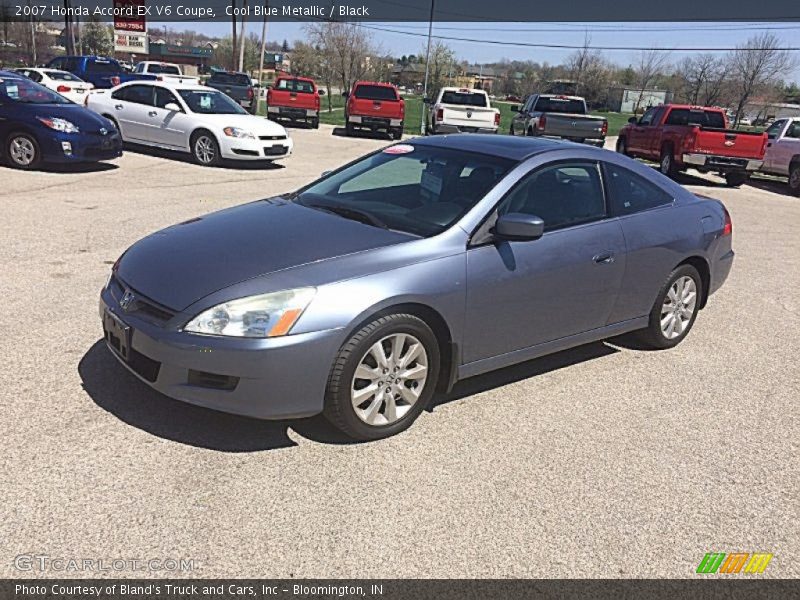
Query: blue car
point(427, 262)
point(38, 126)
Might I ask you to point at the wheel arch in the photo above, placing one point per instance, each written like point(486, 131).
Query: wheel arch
point(701, 264)
point(432, 318)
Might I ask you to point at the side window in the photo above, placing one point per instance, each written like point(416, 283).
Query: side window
point(630, 193)
point(529, 104)
point(139, 94)
point(794, 130)
point(649, 116)
point(774, 130)
point(561, 195)
point(164, 97)
point(37, 77)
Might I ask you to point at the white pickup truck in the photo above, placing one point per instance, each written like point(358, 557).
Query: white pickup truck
point(458, 110)
point(783, 151)
point(169, 72)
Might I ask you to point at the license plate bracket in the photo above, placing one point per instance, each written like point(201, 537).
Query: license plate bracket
point(117, 334)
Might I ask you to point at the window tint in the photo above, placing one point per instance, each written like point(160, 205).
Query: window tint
point(138, 94)
point(704, 118)
point(775, 129)
point(295, 85)
point(57, 63)
point(561, 195)
point(630, 193)
point(560, 105)
point(528, 104)
point(794, 130)
point(164, 97)
point(648, 117)
point(165, 69)
point(231, 79)
point(464, 99)
point(62, 76)
point(375, 92)
point(102, 66)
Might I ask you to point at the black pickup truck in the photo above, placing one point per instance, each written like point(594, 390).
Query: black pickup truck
point(238, 86)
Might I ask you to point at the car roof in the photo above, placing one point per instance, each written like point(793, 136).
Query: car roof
point(504, 146)
point(172, 85)
point(378, 83)
point(11, 75)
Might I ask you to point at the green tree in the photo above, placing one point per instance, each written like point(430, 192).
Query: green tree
point(97, 39)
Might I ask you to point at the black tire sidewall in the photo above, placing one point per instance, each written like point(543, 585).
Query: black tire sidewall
point(338, 405)
point(653, 334)
point(37, 159)
point(217, 158)
point(670, 170)
point(796, 189)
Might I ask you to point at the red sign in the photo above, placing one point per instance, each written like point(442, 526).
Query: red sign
point(129, 15)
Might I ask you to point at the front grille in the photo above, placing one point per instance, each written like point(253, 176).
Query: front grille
point(145, 367)
point(142, 306)
point(272, 137)
point(275, 150)
point(245, 152)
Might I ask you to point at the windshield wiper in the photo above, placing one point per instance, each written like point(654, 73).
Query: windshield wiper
point(349, 213)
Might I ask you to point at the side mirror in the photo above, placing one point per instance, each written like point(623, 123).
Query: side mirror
point(633, 120)
point(321, 92)
point(172, 107)
point(519, 227)
point(514, 108)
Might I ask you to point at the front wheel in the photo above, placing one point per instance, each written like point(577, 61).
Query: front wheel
point(22, 151)
point(205, 149)
point(383, 377)
point(675, 309)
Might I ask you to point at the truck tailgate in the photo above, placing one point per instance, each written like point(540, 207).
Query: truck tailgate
point(292, 99)
point(730, 142)
point(468, 116)
point(573, 126)
point(376, 108)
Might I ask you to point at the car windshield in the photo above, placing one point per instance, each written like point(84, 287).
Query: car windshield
point(375, 92)
point(421, 190)
point(62, 76)
point(231, 79)
point(295, 85)
point(560, 105)
point(464, 98)
point(210, 102)
point(26, 91)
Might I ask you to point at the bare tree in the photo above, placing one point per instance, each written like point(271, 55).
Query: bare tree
point(591, 72)
point(234, 45)
point(242, 36)
point(756, 65)
point(578, 62)
point(702, 79)
point(647, 70)
point(345, 50)
point(443, 63)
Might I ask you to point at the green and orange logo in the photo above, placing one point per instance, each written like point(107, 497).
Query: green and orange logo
point(719, 562)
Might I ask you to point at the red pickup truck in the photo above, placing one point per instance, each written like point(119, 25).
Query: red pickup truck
point(294, 99)
point(680, 136)
point(374, 106)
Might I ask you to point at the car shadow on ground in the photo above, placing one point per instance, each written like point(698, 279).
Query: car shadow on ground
point(76, 168)
point(120, 393)
point(776, 186)
point(362, 133)
point(185, 157)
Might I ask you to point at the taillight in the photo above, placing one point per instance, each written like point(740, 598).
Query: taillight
point(440, 114)
point(63, 88)
point(316, 102)
point(115, 81)
point(690, 140)
point(402, 108)
point(249, 93)
point(542, 122)
point(269, 96)
point(497, 119)
point(727, 228)
point(604, 129)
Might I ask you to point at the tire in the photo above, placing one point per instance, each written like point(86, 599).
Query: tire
point(531, 132)
point(683, 314)
point(794, 178)
point(22, 151)
point(348, 129)
point(205, 148)
point(511, 130)
point(666, 162)
point(315, 123)
point(622, 146)
point(397, 134)
point(736, 179)
point(378, 415)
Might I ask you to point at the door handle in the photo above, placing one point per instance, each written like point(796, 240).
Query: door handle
point(118, 106)
point(152, 113)
point(604, 258)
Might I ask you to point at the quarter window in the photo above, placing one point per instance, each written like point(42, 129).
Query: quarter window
point(774, 130)
point(561, 195)
point(630, 193)
point(137, 94)
point(794, 130)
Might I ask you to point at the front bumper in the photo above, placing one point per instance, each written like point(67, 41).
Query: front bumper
point(723, 164)
point(448, 128)
point(79, 147)
point(278, 378)
point(258, 149)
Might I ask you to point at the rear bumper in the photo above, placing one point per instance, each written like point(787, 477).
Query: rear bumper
point(290, 112)
point(723, 164)
point(375, 123)
point(449, 128)
point(277, 378)
point(599, 142)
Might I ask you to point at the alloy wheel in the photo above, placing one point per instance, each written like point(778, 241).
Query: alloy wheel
point(389, 379)
point(22, 151)
point(794, 179)
point(666, 164)
point(678, 308)
point(204, 149)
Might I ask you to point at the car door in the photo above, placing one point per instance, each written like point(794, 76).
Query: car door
point(639, 134)
point(520, 120)
point(787, 148)
point(521, 294)
point(656, 235)
point(131, 106)
point(774, 132)
point(167, 127)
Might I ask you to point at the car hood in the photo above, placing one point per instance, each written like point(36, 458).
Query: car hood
point(181, 264)
point(253, 124)
point(86, 120)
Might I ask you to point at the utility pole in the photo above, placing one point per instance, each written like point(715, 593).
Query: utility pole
point(242, 39)
point(33, 38)
point(233, 34)
point(263, 51)
point(427, 69)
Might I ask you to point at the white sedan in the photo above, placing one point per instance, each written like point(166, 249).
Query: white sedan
point(190, 118)
point(68, 85)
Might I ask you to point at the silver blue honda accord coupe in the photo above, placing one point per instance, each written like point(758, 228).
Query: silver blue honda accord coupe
point(365, 292)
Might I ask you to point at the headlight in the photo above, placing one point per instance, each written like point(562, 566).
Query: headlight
point(238, 133)
point(263, 316)
point(61, 125)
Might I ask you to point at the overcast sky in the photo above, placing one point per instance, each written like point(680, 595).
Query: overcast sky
point(666, 35)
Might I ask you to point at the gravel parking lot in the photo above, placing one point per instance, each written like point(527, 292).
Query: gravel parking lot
point(602, 461)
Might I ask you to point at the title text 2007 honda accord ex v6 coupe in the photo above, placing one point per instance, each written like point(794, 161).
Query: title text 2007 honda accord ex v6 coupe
point(411, 268)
